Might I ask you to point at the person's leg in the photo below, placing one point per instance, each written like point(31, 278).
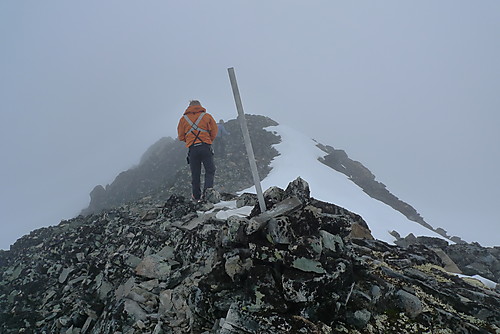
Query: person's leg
point(222, 148)
point(209, 165)
point(195, 159)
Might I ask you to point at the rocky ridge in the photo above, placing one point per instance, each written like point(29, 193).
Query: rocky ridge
point(174, 266)
point(163, 171)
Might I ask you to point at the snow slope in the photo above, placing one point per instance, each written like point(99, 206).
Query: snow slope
point(299, 157)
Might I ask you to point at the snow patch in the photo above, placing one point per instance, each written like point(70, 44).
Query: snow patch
point(226, 209)
point(489, 283)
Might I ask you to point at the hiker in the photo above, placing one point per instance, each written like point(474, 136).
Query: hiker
point(220, 143)
point(198, 129)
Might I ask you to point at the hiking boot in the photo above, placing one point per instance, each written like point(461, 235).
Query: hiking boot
point(196, 200)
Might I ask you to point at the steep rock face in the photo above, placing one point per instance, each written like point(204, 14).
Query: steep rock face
point(178, 267)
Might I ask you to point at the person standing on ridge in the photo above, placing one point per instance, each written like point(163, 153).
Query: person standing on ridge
point(198, 129)
point(220, 143)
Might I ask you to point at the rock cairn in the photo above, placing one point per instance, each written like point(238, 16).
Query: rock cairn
point(179, 267)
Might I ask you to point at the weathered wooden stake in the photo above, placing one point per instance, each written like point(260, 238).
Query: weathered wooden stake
point(246, 137)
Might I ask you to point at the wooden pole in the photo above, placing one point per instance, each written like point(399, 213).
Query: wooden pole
point(246, 137)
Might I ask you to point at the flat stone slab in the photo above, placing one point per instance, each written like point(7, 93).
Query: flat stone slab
point(283, 207)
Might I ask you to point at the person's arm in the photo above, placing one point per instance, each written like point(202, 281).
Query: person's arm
point(180, 130)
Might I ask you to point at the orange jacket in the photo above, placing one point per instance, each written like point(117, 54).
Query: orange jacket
point(207, 123)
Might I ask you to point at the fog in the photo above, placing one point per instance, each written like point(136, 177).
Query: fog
point(410, 89)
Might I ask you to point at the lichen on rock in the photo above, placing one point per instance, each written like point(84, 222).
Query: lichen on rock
point(295, 268)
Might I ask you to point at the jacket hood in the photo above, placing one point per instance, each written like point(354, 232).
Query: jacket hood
point(194, 110)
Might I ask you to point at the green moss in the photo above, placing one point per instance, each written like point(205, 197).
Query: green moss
point(434, 271)
point(393, 314)
point(278, 255)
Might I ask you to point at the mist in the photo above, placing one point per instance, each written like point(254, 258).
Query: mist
point(408, 89)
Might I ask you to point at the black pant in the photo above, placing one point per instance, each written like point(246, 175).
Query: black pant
point(201, 154)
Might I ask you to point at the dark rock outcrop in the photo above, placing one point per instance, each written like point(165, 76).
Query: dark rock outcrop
point(473, 259)
point(364, 178)
point(178, 267)
point(470, 259)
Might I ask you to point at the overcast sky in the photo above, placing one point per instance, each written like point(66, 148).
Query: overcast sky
point(409, 88)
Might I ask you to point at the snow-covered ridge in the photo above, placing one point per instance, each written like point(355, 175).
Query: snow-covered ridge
point(299, 157)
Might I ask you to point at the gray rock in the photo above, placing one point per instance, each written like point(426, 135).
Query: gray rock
point(300, 189)
point(308, 265)
point(433, 242)
point(153, 266)
point(286, 206)
point(376, 292)
point(246, 199)
point(273, 195)
point(279, 230)
point(238, 322)
point(410, 303)
point(64, 274)
point(234, 233)
point(449, 264)
point(132, 261)
point(135, 310)
point(212, 196)
point(359, 318)
point(331, 241)
point(124, 290)
point(411, 239)
point(234, 266)
point(149, 215)
point(158, 329)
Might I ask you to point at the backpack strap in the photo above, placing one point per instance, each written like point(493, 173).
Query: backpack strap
point(196, 137)
point(194, 126)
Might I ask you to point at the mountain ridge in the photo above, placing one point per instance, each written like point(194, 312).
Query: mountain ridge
point(162, 171)
point(175, 266)
point(156, 262)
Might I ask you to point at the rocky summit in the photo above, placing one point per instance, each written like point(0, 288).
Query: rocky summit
point(174, 266)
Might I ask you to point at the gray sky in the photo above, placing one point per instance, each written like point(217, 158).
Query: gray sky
point(410, 89)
